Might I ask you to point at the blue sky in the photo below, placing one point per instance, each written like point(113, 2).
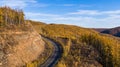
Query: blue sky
point(84, 13)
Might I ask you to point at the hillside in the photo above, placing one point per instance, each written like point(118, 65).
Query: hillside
point(113, 31)
point(19, 42)
point(99, 29)
point(82, 46)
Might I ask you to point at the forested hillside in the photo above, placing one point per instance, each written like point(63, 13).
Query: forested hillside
point(12, 20)
point(9, 16)
point(82, 47)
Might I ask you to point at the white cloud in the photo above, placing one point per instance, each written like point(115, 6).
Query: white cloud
point(108, 18)
point(22, 3)
point(111, 12)
point(85, 5)
point(86, 12)
point(69, 5)
point(16, 3)
point(39, 5)
point(78, 5)
point(95, 12)
point(40, 14)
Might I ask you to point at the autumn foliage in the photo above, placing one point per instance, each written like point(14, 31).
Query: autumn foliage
point(10, 16)
point(82, 46)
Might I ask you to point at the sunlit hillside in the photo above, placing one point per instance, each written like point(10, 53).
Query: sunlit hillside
point(82, 46)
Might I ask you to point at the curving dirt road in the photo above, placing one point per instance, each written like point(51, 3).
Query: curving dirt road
point(57, 52)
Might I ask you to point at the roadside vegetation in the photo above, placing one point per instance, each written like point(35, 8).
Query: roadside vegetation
point(81, 46)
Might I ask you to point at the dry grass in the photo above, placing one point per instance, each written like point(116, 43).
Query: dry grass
point(105, 47)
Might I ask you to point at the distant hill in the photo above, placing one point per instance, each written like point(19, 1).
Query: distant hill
point(113, 31)
point(100, 29)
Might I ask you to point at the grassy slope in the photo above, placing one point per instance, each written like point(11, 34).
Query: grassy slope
point(82, 47)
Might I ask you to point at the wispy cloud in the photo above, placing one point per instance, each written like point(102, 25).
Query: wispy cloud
point(16, 3)
point(40, 14)
point(95, 12)
point(85, 12)
point(68, 5)
point(78, 5)
point(39, 5)
point(84, 18)
point(22, 3)
point(85, 5)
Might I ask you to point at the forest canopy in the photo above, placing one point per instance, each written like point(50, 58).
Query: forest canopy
point(10, 16)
